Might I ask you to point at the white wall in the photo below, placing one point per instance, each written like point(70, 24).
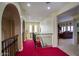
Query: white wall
point(49, 25)
point(46, 25)
point(76, 29)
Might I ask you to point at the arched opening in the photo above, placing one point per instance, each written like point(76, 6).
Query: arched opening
point(11, 29)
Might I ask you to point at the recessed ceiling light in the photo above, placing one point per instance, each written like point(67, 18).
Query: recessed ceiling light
point(28, 4)
point(48, 8)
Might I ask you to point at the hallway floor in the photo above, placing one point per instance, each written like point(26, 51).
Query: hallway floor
point(29, 50)
point(65, 42)
point(71, 49)
point(67, 46)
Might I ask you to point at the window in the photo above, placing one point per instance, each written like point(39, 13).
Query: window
point(35, 28)
point(64, 29)
point(30, 28)
point(71, 28)
point(68, 28)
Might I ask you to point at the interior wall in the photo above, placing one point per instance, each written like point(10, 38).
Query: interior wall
point(76, 29)
point(9, 25)
point(46, 25)
point(49, 25)
point(11, 19)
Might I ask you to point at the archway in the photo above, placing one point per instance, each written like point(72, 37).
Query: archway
point(11, 29)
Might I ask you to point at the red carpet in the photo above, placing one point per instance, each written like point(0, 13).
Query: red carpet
point(29, 50)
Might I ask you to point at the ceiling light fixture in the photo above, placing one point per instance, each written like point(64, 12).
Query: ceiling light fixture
point(48, 8)
point(28, 4)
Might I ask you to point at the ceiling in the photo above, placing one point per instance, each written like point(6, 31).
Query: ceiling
point(39, 10)
point(72, 12)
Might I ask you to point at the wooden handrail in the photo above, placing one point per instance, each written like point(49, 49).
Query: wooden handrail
point(10, 38)
point(9, 46)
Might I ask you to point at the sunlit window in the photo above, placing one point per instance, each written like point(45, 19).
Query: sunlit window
point(64, 29)
point(35, 28)
point(72, 28)
point(30, 28)
point(68, 28)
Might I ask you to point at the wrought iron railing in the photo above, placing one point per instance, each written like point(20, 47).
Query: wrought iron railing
point(10, 46)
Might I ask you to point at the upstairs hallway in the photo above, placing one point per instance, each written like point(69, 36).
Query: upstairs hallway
point(29, 50)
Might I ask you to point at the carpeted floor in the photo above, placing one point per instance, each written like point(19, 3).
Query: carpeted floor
point(29, 50)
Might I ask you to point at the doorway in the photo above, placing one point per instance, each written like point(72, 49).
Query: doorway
point(65, 33)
